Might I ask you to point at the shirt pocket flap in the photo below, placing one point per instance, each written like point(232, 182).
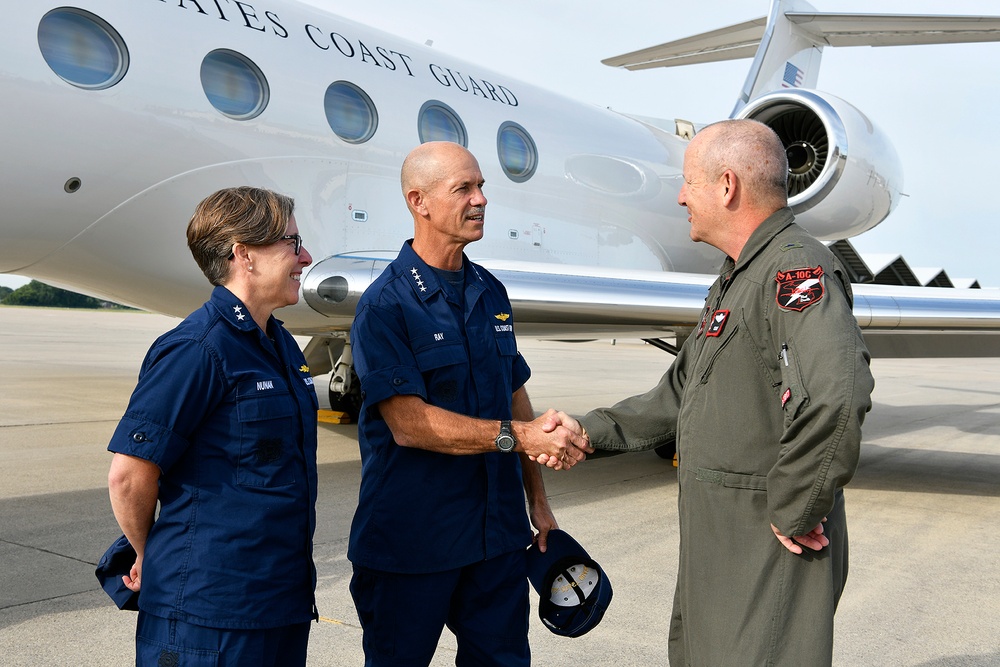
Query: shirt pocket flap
point(440, 354)
point(507, 346)
point(258, 400)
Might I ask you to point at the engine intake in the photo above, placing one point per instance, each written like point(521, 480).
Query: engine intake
point(844, 176)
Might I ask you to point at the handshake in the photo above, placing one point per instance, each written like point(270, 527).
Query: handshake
point(555, 440)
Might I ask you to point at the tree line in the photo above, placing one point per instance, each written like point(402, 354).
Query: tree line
point(39, 294)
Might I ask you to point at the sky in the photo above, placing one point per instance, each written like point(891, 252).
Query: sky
point(934, 103)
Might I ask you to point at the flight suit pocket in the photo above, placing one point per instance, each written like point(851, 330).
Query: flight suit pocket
point(719, 349)
point(266, 411)
point(732, 480)
point(793, 390)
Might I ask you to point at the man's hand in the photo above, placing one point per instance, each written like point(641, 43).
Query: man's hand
point(814, 539)
point(543, 520)
point(133, 580)
point(555, 440)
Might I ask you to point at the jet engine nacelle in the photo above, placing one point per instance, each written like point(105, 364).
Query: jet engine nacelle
point(333, 286)
point(844, 176)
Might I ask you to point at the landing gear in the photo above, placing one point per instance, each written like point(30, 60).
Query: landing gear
point(345, 388)
point(349, 403)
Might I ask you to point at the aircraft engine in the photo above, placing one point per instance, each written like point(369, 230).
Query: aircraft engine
point(334, 286)
point(844, 176)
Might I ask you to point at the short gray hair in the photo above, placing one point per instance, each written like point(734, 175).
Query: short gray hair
point(755, 154)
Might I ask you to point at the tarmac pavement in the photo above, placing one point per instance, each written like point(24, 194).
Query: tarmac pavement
point(924, 587)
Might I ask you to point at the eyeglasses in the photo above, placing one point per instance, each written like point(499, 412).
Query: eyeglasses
point(297, 246)
point(297, 239)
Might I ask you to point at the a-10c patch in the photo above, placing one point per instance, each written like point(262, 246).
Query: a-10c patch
point(799, 288)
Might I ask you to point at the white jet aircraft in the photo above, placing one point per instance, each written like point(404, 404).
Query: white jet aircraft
point(118, 117)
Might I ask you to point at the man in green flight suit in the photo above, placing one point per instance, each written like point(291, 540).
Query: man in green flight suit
point(765, 402)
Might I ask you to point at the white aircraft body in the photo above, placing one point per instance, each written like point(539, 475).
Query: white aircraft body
point(119, 117)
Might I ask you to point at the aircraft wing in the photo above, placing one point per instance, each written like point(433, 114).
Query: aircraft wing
point(928, 321)
point(914, 322)
point(832, 29)
point(579, 302)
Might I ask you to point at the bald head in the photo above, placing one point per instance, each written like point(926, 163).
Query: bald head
point(430, 163)
point(734, 178)
point(753, 152)
point(443, 188)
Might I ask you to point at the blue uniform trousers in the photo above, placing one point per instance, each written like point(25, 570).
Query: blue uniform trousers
point(485, 604)
point(161, 642)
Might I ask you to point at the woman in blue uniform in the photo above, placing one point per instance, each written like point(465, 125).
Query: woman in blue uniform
point(221, 431)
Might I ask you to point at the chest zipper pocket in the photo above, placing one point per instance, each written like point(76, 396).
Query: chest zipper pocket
point(715, 355)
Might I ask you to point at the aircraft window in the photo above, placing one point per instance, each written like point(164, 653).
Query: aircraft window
point(439, 122)
point(517, 151)
point(82, 49)
point(234, 84)
point(350, 112)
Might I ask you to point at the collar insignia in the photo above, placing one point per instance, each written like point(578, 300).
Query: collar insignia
point(239, 313)
point(418, 279)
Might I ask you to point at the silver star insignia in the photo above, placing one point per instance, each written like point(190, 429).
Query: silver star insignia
point(418, 279)
point(239, 314)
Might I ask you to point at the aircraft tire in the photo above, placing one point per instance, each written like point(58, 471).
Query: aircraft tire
point(666, 451)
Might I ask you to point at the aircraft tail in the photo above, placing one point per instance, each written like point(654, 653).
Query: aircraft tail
point(786, 57)
point(787, 45)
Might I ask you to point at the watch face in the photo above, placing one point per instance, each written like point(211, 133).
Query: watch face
point(505, 443)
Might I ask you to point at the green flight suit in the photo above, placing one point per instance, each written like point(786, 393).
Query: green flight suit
point(765, 403)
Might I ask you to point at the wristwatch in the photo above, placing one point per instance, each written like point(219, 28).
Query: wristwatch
point(505, 442)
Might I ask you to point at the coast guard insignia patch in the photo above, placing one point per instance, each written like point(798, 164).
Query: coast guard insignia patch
point(799, 288)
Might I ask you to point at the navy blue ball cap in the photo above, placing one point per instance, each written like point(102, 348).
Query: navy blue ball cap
point(574, 592)
point(116, 562)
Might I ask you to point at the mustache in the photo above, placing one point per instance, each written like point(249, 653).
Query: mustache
point(477, 210)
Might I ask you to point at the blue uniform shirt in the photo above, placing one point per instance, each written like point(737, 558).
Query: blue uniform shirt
point(421, 511)
point(230, 418)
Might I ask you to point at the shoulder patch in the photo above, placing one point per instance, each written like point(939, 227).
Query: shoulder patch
point(799, 288)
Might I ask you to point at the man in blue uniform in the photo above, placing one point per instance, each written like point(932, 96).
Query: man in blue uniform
point(440, 531)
